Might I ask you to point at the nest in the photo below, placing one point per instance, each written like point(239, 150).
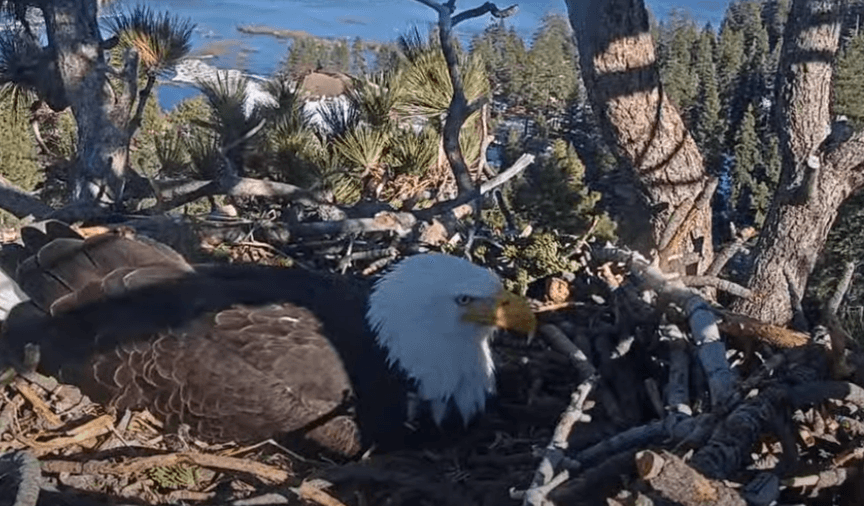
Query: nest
point(636, 391)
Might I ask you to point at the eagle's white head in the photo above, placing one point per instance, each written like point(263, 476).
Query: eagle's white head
point(434, 315)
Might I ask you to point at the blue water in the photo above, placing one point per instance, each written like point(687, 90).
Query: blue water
point(381, 20)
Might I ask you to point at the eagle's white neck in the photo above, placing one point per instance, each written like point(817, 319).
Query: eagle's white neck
point(464, 375)
point(417, 321)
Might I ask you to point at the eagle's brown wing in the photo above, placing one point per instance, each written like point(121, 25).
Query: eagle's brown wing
point(134, 325)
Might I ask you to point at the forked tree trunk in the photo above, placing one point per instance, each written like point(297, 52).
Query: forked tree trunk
point(820, 170)
point(621, 76)
point(102, 117)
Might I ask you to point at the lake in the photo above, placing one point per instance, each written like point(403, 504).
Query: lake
point(216, 34)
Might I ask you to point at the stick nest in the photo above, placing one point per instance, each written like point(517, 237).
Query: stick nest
point(615, 403)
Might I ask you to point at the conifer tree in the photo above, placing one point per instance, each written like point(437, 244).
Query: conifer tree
point(680, 81)
point(506, 61)
point(358, 57)
point(848, 87)
point(340, 57)
point(708, 126)
point(730, 57)
point(748, 158)
point(552, 62)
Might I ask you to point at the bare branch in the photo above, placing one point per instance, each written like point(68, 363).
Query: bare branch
point(20, 203)
point(442, 207)
point(729, 251)
point(489, 8)
point(135, 123)
point(703, 322)
point(401, 223)
point(518, 166)
point(545, 474)
point(842, 287)
point(458, 110)
point(720, 284)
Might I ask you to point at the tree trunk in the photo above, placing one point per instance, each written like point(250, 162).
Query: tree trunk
point(101, 116)
point(820, 168)
point(620, 71)
point(822, 163)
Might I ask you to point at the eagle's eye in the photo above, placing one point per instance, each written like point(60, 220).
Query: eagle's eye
point(464, 300)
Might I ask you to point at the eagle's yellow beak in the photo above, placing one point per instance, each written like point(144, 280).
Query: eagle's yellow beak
point(506, 311)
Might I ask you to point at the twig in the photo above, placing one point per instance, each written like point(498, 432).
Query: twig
point(726, 254)
point(842, 287)
point(310, 490)
point(7, 415)
point(536, 494)
point(39, 406)
point(94, 428)
point(138, 464)
point(720, 284)
point(703, 323)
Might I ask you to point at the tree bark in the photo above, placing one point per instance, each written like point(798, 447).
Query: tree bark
point(820, 168)
point(103, 137)
point(818, 174)
point(620, 71)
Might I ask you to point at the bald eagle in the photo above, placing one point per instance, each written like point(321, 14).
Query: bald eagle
point(247, 353)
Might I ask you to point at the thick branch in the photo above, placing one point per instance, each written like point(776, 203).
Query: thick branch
point(842, 287)
point(703, 323)
point(20, 203)
point(443, 207)
point(720, 284)
point(458, 111)
point(190, 191)
point(488, 7)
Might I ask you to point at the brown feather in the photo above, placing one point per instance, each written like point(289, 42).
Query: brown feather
point(233, 353)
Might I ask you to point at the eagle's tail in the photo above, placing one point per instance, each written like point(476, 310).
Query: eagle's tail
point(10, 294)
point(33, 237)
point(60, 269)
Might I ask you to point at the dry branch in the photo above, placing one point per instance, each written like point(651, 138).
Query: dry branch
point(678, 482)
point(546, 477)
point(20, 203)
point(720, 284)
point(753, 330)
point(265, 472)
point(703, 324)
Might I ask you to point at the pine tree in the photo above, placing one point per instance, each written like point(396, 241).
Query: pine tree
point(553, 67)
point(340, 58)
point(386, 57)
point(708, 127)
point(730, 57)
point(504, 55)
point(680, 81)
point(748, 159)
point(358, 57)
point(848, 90)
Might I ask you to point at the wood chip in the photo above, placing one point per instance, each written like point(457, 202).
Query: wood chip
point(311, 491)
point(92, 429)
point(39, 406)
